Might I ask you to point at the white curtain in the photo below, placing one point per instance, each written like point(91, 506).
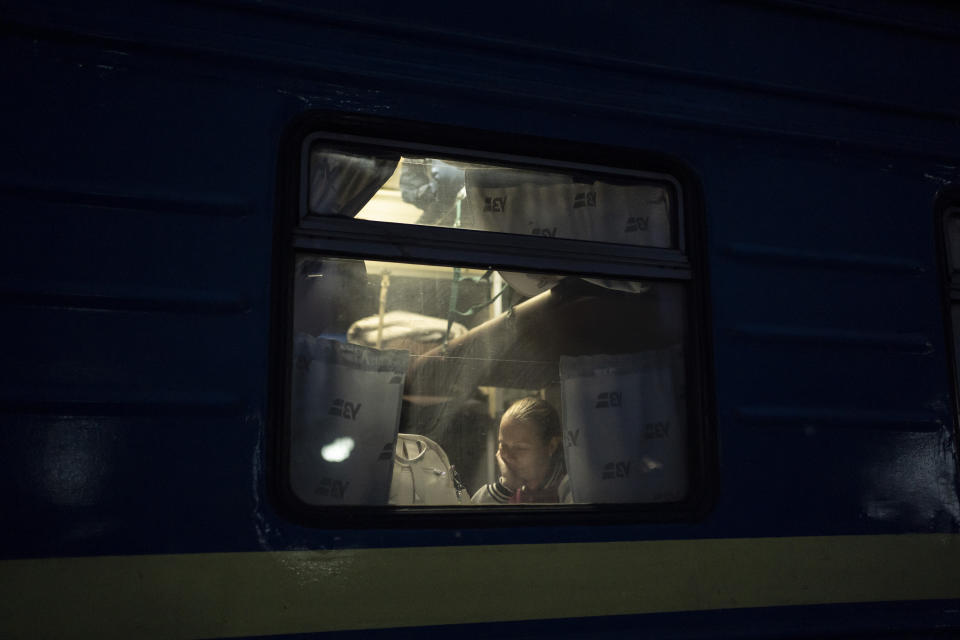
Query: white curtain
point(553, 205)
point(342, 183)
point(345, 412)
point(624, 423)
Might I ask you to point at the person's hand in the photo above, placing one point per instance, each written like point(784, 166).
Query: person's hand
point(426, 194)
point(507, 478)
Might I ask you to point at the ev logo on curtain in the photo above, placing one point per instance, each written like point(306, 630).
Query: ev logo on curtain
point(331, 488)
point(344, 409)
point(613, 470)
point(609, 399)
point(495, 205)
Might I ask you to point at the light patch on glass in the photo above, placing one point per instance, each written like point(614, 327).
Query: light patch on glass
point(338, 450)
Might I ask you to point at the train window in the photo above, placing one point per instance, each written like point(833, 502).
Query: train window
point(951, 229)
point(471, 195)
point(435, 363)
point(952, 220)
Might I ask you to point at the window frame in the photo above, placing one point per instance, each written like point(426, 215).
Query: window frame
point(366, 239)
point(947, 205)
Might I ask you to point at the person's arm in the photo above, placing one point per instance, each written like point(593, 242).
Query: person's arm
point(498, 492)
point(493, 493)
point(564, 494)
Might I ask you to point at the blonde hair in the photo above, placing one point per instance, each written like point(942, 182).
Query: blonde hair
point(533, 410)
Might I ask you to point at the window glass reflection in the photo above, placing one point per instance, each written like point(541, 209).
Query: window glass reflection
point(431, 385)
point(467, 195)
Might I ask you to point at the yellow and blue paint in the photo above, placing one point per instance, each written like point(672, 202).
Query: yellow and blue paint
point(287, 592)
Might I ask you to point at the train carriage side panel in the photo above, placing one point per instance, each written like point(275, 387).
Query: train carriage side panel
point(139, 194)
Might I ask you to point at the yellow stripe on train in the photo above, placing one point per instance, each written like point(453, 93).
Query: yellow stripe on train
point(240, 594)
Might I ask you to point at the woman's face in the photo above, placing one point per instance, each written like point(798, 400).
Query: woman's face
point(527, 456)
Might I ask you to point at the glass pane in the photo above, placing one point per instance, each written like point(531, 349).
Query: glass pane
point(955, 318)
point(953, 240)
point(446, 193)
point(431, 385)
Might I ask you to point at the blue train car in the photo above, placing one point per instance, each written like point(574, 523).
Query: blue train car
point(738, 230)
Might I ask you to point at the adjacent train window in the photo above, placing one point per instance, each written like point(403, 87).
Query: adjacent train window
point(951, 232)
point(532, 347)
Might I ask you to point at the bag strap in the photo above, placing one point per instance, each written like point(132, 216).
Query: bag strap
point(405, 458)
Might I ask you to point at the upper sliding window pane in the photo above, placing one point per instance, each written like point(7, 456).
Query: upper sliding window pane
point(631, 208)
point(952, 220)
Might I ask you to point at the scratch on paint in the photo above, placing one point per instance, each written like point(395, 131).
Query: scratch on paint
point(260, 524)
point(936, 178)
point(299, 97)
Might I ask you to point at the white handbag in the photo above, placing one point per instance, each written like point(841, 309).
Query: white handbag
point(422, 474)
